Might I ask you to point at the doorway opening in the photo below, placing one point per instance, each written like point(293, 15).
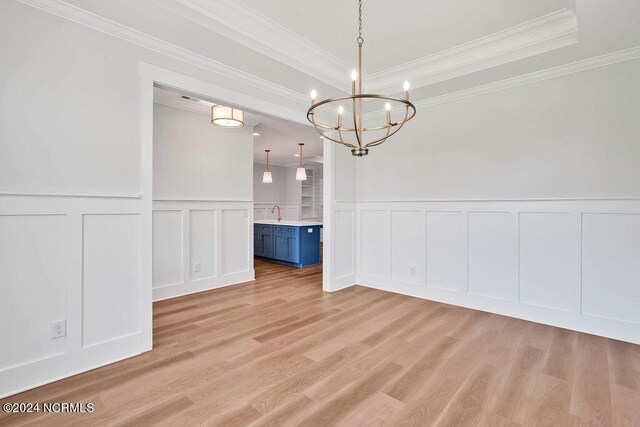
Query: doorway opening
point(198, 219)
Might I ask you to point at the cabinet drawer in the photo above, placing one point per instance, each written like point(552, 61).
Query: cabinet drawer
point(263, 229)
point(283, 230)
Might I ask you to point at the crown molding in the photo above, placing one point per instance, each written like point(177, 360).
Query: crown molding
point(540, 35)
point(243, 24)
point(107, 26)
point(525, 79)
point(535, 77)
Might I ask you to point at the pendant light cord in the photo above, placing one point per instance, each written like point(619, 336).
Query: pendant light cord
point(300, 154)
point(360, 40)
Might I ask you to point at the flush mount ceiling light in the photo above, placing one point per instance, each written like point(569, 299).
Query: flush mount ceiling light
point(355, 134)
point(256, 134)
point(266, 176)
point(227, 117)
point(301, 172)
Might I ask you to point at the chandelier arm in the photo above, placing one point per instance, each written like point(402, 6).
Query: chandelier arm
point(339, 142)
point(381, 140)
point(339, 129)
point(355, 124)
point(342, 139)
point(407, 104)
point(322, 134)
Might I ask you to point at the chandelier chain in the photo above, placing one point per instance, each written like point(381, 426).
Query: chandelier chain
point(360, 39)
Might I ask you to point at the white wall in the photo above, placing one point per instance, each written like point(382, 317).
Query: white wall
point(199, 246)
point(276, 192)
point(284, 191)
point(70, 205)
point(194, 160)
point(447, 208)
point(574, 136)
point(202, 228)
point(339, 216)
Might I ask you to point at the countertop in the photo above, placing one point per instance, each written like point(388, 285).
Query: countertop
point(288, 223)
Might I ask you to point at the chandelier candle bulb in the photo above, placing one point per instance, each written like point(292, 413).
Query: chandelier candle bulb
point(405, 87)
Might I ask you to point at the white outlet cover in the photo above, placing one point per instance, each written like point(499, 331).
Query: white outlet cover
point(58, 329)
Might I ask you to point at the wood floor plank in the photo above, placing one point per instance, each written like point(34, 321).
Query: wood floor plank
point(349, 398)
point(468, 404)
point(280, 351)
point(591, 394)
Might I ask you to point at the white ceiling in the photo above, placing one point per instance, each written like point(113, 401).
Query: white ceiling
point(282, 138)
point(400, 31)
point(286, 47)
point(279, 136)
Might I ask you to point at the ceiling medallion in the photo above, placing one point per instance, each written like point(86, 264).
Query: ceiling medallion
point(227, 117)
point(355, 134)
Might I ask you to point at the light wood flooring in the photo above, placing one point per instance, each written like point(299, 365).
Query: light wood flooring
point(281, 352)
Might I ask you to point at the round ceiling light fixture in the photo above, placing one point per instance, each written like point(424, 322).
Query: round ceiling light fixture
point(227, 117)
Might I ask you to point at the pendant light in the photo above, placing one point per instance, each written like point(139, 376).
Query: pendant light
point(227, 117)
point(301, 172)
point(266, 176)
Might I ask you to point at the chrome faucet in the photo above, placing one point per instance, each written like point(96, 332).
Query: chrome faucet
point(273, 209)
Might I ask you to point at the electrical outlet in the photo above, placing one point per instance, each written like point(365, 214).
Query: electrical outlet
point(58, 329)
point(412, 271)
point(196, 267)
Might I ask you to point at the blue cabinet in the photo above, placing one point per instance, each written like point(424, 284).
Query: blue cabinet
point(298, 246)
point(263, 240)
point(286, 243)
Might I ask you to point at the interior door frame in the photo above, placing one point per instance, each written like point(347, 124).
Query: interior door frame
point(149, 76)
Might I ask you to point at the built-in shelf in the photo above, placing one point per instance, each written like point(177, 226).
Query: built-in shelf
point(311, 195)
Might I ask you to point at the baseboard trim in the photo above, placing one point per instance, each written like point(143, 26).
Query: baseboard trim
point(175, 290)
point(615, 329)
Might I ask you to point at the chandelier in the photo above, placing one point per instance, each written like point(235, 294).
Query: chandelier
point(363, 129)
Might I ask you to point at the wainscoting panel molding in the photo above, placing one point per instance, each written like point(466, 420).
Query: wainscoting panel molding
point(344, 255)
point(200, 245)
point(548, 260)
point(375, 240)
point(611, 266)
point(408, 246)
point(447, 250)
point(493, 255)
point(70, 259)
point(568, 263)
